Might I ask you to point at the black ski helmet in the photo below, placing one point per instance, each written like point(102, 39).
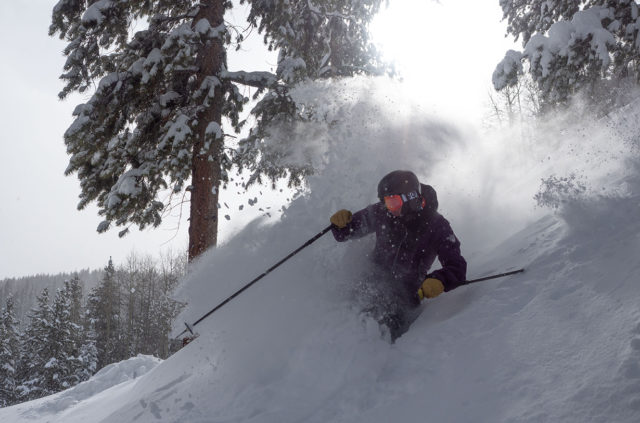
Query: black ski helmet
point(398, 182)
point(402, 182)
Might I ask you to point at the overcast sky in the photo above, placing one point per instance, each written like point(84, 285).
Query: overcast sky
point(446, 52)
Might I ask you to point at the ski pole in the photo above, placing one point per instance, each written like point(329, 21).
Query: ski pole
point(494, 276)
point(219, 306)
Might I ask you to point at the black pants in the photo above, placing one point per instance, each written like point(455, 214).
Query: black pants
point(392, 302)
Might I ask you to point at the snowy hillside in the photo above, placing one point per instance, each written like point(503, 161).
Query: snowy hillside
point(559, 343)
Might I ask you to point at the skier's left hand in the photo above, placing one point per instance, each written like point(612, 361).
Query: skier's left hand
point(430, 288)
point(341, 218)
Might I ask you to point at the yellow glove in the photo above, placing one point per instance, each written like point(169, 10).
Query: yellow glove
point(341, 218)
point(430, 288)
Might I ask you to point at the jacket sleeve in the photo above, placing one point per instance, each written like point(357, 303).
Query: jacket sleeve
point(454, 267)
point(362, 223)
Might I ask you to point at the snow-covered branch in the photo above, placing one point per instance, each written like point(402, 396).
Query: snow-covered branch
point(253, 79)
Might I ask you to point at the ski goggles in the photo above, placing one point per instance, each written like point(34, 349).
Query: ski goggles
point(394, 203)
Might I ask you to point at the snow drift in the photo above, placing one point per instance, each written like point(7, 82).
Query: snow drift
point(559, 343)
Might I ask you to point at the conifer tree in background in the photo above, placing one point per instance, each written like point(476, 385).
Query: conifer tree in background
point(570, 47)
point(9, 355)
point(104, 316)
point(54, 362)
point(60, 348)
point(34, 352)
point(81, 352)
point(87, 359)
point(154, 122)
point(73, 291)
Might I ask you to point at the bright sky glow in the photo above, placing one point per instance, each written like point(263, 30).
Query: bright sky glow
point(445, 51)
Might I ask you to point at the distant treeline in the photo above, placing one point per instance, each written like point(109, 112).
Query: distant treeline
point(24, 290)
point(71, 332)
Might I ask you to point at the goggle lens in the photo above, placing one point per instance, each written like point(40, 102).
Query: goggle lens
point(394, 204)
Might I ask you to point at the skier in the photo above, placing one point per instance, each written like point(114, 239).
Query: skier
point(410, 234)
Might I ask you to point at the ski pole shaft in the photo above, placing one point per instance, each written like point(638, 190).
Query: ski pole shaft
point(244, 288)
point(494, 276)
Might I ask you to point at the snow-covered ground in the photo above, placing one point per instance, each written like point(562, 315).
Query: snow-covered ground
point(559, 343)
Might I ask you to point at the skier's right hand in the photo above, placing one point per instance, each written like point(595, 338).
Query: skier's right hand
point(341, 218)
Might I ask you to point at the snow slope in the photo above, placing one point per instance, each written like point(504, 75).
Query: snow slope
point(89, 401)
point(559, 343)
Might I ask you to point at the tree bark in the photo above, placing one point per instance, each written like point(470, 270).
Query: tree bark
point(206, 164)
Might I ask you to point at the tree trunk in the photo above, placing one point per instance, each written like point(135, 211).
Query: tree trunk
point(206, 164)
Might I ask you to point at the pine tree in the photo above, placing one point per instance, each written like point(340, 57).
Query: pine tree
point(87, 359)
point(35, 350)
point(55, 353)
point(9, 355)
point(73, 291)
point(104, 317)
point(81, 347)
point(61, 347)
point(155, 120)
point(589, 47)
